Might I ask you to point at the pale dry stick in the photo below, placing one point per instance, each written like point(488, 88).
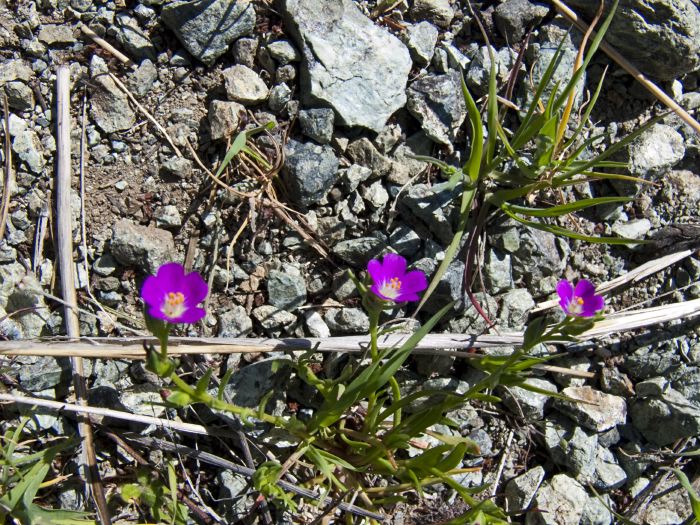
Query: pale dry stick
point(502, 463)
point(146, 114)
point(107, 46)
point(633, 276)
point(64, 250)
point(630, 68)
point(7, 180)
point(190, 428)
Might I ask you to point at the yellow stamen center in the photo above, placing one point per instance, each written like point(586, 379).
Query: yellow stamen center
point(391, 288)
point(173, 304)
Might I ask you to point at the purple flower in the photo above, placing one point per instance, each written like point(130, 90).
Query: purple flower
point(173, 296)
point(581, 301)
point(392, 283)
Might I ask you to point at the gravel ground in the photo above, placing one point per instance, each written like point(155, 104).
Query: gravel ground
point(354, 90)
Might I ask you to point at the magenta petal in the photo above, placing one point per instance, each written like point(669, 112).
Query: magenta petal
point(394, 265)
point(170, 273)
point(565, 291)
point(152, 291)
point(191, 315)
point(195, 289)
point(155, 311)
point(584, 288)
point(592, 305)
point(374, 268)
point(406, 297)
point(375, 289)
point(414, 281)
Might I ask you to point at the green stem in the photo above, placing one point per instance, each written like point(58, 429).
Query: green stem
point(373, 313)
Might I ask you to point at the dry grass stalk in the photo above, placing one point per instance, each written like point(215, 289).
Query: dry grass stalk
point(107, 46)
point(7, 179)
point(459, 345)
point(66, 266)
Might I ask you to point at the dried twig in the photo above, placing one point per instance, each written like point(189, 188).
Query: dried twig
point(7, 180)
point(630, 68)
point(146, 114)
point(107, 46)
point(67, 268)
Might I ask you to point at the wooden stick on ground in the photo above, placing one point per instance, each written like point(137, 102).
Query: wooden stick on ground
point(107, 46)
point(630, 68)
point(64, 237)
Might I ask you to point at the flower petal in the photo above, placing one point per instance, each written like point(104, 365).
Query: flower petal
point(152, 291)
point(565, 291)
point(584, 288)
point(195, 289)
point(413, 282)
point(592, 305)
point(394, 265)
point(190, 315)
point(406, 297)
point(375, 270)
point(170, 273)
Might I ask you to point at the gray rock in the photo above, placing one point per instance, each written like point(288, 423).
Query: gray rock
point(59, 34)
point(658, 149)
point(104, 265)
point(687, 382)
point(286, 74)
point(580, 453)
point(224, 118)
point(272, 319)
point(142, 79)
point(347, 321)
point(433, 207)
point(421, 39)
point(351, 177)
point(283, 52)
point(375, 194)
point(513, 18)
point(133, 39)
point(560, 501)
point(477, 77)
point(520, 491)
point(168, 217)
point(663, 420)
point(244, 51)
point(317, 124)
point(235, 497)
point(248, 385)
point(316, 325)
point(364, 153)
point(309, 171)
point(286, 289)
point(609, 475)
point(178, 166)
point(527, 404)
point(15, 70)
point(437, 11)
point(669, 506)
point(141, 247)
point(109, 105)
point(598, 412)
point(144, 399)
point(437, 102)
point(634, 229)
point(207, 27)
point(498, 273)
point(349, 63)
point(596, 511)
point(29, 149)
point(358, 252)
point(19, 95)
point(515, 304)
point(41, 373)
point(280, 95)
point(244, 85)
point(660, 36)
point(404, 240)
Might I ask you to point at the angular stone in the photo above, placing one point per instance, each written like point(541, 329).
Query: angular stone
point(560, 501)
point(421, 39)
point(224, 118)
point(659, 148)
point(663, 420)
point(598, 411)
point(286, 289)
point(525, 403)
point(347, 321)
point(661, 37)
point(52, 34)
point(437, 11)
point(272, 319)
point(317, 124)
point(309, 171)
point(133, 39)
point(29, 149)
point(244, 85)
point(141, 247)
point(109, 105)
point(437, 102)
point(349, 63)
point(358, 252)
point(520, 491)
point(513, 18)
point(207, 27)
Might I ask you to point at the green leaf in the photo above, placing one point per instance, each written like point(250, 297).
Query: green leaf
point(692, 495)
point(179, 399)
point(203, 382)
point(534, 331)
point(564, 209)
